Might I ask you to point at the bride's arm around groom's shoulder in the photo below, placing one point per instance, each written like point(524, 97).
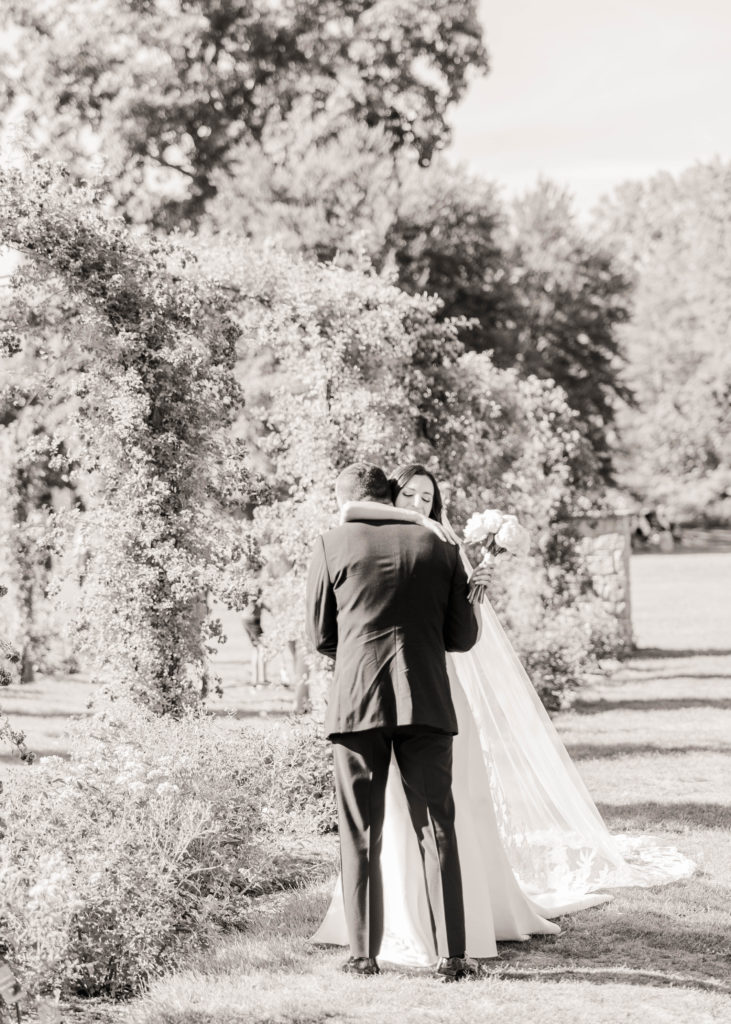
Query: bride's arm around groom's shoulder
point(354, 511)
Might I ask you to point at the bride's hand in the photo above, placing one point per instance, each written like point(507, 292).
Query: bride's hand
point(479, 580)
point(433, 525)
point(482, 575)
point(449, 532)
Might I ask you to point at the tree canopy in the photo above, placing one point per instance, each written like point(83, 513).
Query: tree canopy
point(529, 284)
point(162, 91)
point(673, 235)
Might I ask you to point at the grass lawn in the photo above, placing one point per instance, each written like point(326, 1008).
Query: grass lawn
point(652, 742)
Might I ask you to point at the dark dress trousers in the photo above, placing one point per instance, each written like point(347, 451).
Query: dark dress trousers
point(386, 599)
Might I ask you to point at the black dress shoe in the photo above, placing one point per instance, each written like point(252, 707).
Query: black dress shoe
point(456, 968)
point(364, 965)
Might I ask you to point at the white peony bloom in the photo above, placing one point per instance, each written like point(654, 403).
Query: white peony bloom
point(492, 519)
point(514, 538)
point(475, 531)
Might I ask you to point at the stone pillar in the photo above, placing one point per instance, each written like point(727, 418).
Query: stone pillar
point(605, 546)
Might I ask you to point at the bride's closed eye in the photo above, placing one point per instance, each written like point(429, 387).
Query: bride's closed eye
point(417, 496)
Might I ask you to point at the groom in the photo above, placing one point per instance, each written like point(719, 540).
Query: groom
point(386, 599)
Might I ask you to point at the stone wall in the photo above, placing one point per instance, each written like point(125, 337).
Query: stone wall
point(605, 544)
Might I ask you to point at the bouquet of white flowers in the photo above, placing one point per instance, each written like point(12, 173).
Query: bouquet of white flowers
point(497, 532)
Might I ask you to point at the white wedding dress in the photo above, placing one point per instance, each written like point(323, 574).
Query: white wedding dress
point(532, 844)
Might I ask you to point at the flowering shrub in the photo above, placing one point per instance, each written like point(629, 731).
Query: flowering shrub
point(155, 833)
point(296, 788)
point(336, 365)
point(149, 410)
point(558, 643)
point(521, 450)
point(9, 660)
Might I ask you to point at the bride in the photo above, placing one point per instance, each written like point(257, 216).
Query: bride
point(532, 845)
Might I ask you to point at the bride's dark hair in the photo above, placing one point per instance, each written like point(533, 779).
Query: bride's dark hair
point(401, 476)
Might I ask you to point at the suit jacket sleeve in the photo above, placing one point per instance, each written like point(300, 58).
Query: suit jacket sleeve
point(460, 624)
point(322, 612)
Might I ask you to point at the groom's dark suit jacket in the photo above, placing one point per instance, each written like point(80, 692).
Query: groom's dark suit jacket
point(386, 599)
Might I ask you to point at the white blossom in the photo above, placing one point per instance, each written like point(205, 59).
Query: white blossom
point(493, 519)
point(476, 529)
point(514, 538)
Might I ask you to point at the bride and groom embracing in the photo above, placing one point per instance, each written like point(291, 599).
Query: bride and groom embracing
point(462, 819)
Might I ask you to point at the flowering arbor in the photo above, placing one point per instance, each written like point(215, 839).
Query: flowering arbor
point(142, 357)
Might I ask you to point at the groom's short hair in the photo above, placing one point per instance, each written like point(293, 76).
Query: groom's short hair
point(362, 481)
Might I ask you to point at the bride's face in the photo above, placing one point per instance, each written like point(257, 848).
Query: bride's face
point(417, 494)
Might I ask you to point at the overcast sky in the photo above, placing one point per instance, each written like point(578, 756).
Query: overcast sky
point(592, 93)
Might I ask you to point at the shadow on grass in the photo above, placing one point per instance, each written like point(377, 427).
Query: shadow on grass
point(640, 653)
point(666, 938)
point(612, 976)
point(643, 817)
point(670, 936)
point(595, 707)
point(243, 713)
point(13, 759)
point(47, 713)
point(598, 751)
point(647, 674)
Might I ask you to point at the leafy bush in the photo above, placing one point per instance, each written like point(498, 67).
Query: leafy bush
point(297, 788)
point(156, 833)
point(335, 365)
point(560, 645)
point(9, 662)
point(522, 451)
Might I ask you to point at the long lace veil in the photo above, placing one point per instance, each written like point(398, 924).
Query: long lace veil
point(555, 839)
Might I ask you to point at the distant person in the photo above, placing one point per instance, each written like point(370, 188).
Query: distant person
point(251, 620)
point(642, 530)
